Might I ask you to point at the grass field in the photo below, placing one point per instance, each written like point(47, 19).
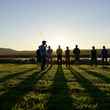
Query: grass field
point(80, 87)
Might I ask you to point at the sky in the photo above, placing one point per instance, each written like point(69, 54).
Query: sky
point(25, 23)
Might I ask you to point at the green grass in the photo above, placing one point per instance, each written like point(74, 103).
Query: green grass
point(80, 87)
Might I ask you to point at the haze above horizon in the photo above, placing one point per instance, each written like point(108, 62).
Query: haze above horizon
point(25, 23)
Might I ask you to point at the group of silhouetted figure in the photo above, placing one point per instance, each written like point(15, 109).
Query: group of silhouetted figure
point(44, 55)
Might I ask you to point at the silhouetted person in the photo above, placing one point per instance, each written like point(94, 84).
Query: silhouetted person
point(104, 54)
point(49, 55)
point(67, 56)
point(43, 54)
point(76, 53)
point(38, 55)
point(93, 56)
point(59, 55)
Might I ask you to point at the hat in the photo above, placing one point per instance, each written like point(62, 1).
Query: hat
point(43, 41)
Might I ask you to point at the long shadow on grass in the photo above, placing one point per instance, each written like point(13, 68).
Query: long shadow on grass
point(99, 97)
point(9, 99)
point(10, 76)
point(105, 67)
point(96, 74)
point(60, 98)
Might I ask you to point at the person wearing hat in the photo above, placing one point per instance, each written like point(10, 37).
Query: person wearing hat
point(43, 54)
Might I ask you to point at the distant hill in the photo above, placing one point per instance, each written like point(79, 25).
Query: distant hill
point(12, 52)
point(7, 52)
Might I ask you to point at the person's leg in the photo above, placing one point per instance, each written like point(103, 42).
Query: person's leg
point(61, 60)
point(96, 60)
point(66, 62)
point(43, 63)
point(78, 58)
point(102, 59)
point(106, 59)
point(92, 61)
point(50, 61)
point(69, 61)
point(58, 60)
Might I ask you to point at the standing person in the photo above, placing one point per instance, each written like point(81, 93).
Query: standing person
point(104, 54)
point(38, 55)
point(67, 56)
point(93, 56)
point(76, 53)
point(59, 55)
point(49, 55)
point(43, 54)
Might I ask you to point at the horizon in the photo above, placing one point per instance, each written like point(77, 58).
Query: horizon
point(56, 49)
point(25, 23)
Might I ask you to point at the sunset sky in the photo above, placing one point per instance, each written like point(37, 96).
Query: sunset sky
point(25, 23)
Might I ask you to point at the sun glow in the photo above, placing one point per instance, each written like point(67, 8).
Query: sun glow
point(57, 39)
point(62, 37)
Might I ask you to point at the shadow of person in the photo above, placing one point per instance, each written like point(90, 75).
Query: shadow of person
point(60, 98)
